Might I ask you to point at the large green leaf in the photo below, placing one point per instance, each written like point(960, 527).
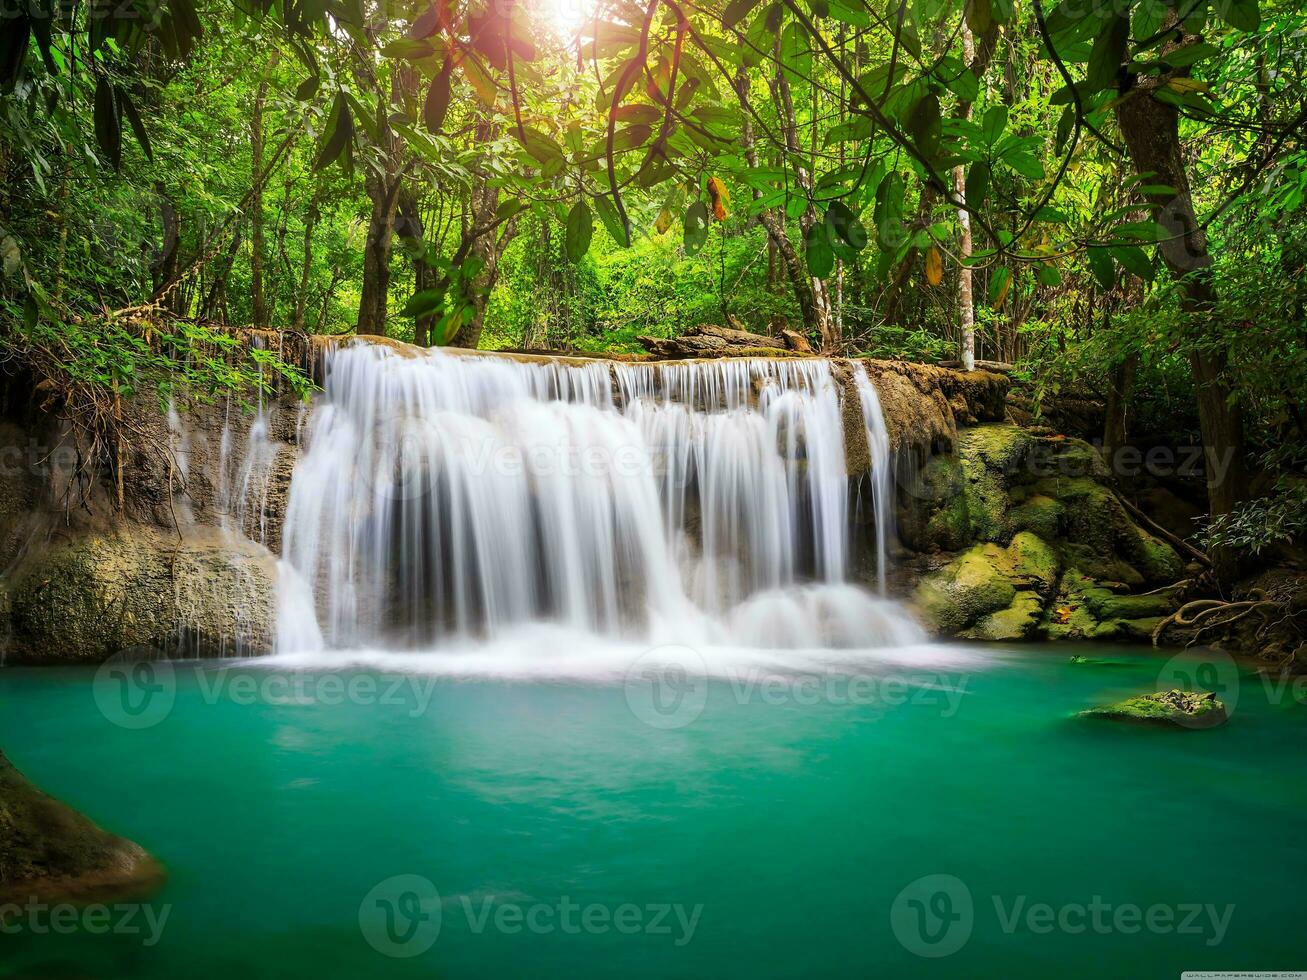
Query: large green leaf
point(108, 123)
point(1102, 266)
point(977, 187)
point(612, 221)
point(1108, 53)
point(993, 123)
point(339, 134)
point(580, 229)
point(1242, 15)
point(696, 227)
point(816, 246)
point(847, 226)
point(924, 125)
point(437, 104)
point(736, 11)
point(1134, 260)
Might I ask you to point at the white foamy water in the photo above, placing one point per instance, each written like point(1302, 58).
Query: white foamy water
point(457, 504)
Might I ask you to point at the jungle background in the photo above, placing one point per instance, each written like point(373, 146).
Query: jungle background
point(1102, 198)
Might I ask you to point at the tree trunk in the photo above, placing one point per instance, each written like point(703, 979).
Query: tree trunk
point(1151, 133)
point(306, 266)
point(488, 247)
point(977, 59)
point(779, 245)
point(1121, 382)
point(817, 314)
point(382, 190)
point(258, 307)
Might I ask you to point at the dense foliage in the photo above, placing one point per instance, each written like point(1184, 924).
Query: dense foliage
point(1079, 188)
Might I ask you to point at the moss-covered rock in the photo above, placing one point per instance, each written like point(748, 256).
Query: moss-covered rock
point(1179, 708)
point(992, 456)
point(990, 592)
point(48, 850)
point(1041, 514)
point(970, 587)
point(95, 595)
point(1019, 621)
point(1088, 609)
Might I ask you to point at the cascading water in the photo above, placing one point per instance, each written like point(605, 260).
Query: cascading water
point(446, 497)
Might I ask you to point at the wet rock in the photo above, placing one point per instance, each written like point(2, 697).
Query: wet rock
point(50, 851)
point(1179, 708)
point(990, 592)
point(95, 595)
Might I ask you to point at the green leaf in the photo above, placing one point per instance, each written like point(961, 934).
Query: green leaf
point(1102, 266)
point(1026, 164)
point(696, 227)
point(977, 184)
point(848, 227)
point(423, 303)
point(958, 79)
point(437, 104)
point(613, 221)
point(580, 229)
point(1048, 275)
point(995, 120)
point(1144, 231)
point(308, 88)
point(1134, 260)
point(997, 283)
point(1242, 15)
point(138, 127)
point(338, 135)
point(820, 257)
point(924, 125)
point(108, 125)
point(1190, 54)
point(1108, 53)
point(980, 16)
point(540, 146)
point(736, 11)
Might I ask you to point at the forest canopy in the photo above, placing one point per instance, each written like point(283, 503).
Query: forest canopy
point(1107, 194)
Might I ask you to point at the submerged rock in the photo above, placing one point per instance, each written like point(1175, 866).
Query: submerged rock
point(1180, 708)
point(48, 850)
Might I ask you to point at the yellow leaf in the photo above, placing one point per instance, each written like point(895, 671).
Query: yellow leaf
point(663, 222)
point(720, 197)
point(1182, 85)
point(934, 266)
point(1002, 293)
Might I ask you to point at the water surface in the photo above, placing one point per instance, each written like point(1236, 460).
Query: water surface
point(775, 824)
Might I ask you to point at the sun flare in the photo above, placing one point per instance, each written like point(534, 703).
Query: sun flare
point(566, 17)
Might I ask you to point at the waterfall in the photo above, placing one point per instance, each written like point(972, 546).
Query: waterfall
point(882, 473)
point(444, 496)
